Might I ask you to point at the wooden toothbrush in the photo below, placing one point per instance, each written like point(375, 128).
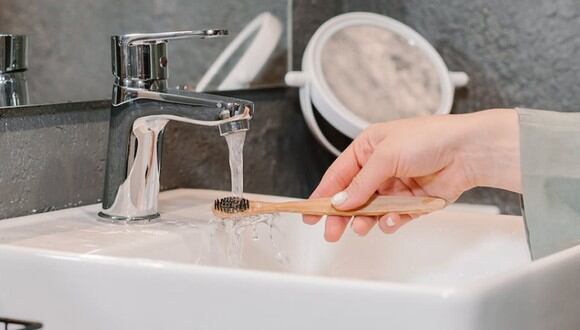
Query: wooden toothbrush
point(230, 207)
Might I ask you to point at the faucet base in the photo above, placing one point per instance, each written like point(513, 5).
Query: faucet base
point(124, 219)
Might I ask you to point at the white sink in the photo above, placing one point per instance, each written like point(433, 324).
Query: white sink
point(449, 270)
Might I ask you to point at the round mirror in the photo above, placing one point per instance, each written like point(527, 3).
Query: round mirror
point(363, 68)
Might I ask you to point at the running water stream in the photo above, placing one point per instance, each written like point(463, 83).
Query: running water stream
point(236, 227)
point(235, 143)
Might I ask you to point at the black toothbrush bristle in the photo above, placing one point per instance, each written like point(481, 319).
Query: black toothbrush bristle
point(231, 204)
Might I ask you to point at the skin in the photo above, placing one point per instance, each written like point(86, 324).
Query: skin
point(440, 156)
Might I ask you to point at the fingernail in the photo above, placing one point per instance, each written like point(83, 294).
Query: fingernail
point(354, 229)
point(339, 198)
point(390, 222)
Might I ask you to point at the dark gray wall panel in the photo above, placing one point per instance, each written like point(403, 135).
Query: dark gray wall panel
point(53, 157)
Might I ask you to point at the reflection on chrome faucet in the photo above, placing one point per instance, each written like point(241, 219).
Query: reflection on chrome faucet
point(141, 107)
point(13, 64)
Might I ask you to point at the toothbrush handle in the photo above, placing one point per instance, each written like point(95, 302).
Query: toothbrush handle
point(379, 205)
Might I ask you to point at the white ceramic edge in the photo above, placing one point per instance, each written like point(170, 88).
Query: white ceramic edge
point(548, 262)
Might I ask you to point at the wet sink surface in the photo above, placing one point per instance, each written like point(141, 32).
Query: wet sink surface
point(448, 270)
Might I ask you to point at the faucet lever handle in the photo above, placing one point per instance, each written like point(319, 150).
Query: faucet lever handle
point(140, 59)
point(139, 38)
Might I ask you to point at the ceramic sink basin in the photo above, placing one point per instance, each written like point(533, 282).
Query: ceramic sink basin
point(449, 270)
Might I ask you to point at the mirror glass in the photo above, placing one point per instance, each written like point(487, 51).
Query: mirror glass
point(69, 48)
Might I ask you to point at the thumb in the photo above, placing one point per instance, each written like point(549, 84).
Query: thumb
point(364, 185)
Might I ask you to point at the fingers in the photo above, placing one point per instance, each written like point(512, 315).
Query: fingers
point(362, 225)
point(379, 167)
point(336, 178)
point(390, 223)
point(311, 219)
point(335, 227)
point(339, 174)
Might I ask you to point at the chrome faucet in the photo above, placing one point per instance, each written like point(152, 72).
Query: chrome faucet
point(13, 64)
point(141, 107)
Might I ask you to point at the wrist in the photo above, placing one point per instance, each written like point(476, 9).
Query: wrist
point(492, 149)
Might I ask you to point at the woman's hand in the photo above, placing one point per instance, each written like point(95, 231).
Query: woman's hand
point(440, 156)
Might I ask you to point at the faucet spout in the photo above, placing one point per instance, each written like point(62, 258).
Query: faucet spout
point(138, 119)
point(141, 107)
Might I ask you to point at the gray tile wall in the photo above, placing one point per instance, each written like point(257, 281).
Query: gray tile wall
point(51, 157)
point(70, 40)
